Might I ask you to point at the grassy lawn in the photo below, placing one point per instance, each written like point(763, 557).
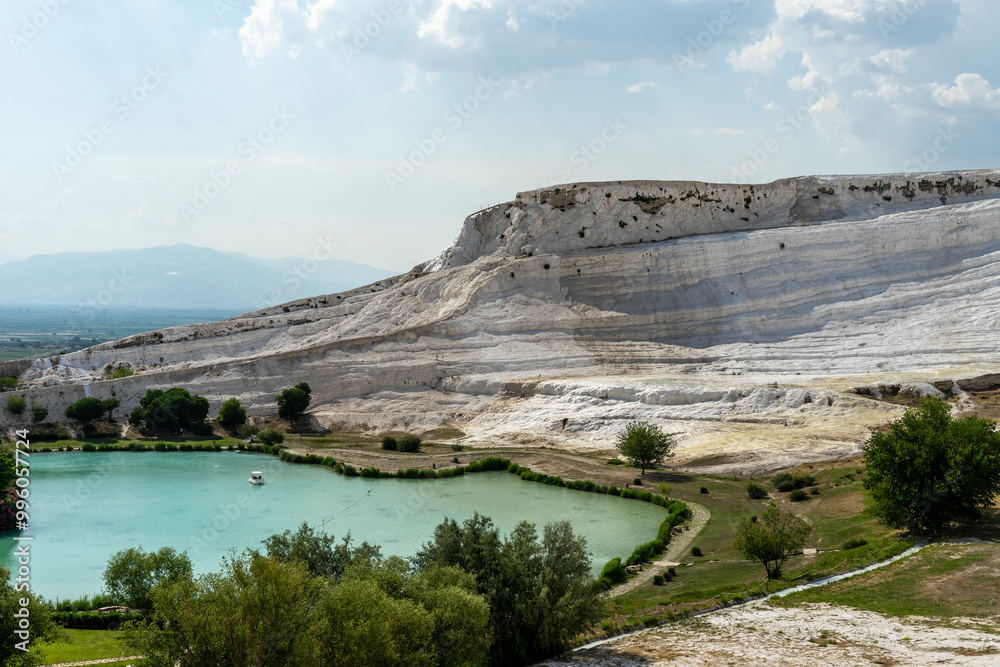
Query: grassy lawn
point(86, 645)
point(721, 574)
point(942, 580)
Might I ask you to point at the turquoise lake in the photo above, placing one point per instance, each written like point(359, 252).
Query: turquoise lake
point(85, 506)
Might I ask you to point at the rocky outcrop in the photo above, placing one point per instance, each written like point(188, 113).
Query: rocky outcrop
point(727, 287)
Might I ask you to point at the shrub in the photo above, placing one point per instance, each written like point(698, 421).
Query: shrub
point(247, 430)
point(122, 372)
point(271, 437)
point(756, 491)
point(783, 482)
point(293, 402)
point(854, 543)
point(8, 383)
point(614, 571)
point(814, 491)
point(89, 447)
point(657, 579)
point(389, 443)
point(409, 443)
point(637, 481)
point(615, 462)
point(672, 572)
point(696, 552)
point(38, 413)
point(798, 495)
point(457, 448)
point(607, 626)
point(703, 490)
point(16, 405)
point(232, 413)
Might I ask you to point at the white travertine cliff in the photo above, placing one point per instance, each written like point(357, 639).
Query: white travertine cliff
point(735, 315)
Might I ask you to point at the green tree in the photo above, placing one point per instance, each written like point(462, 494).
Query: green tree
point(409, 443)
point(86, 410)
point(8, 383)
point(110, 405)
point(8, 472)
point(644, 444)
point(293, 402)
point(257, 611)
point(132, 574)
point(928, 469)
point(540, 594)
point(232, 413)
point(38, 413)
point(170, 410)
point(772, 539)
point(271, 437)
point(384, 613)
point(319, 552)
point(42, 627)
point(16, 405)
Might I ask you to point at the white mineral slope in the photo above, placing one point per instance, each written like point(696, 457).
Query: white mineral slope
point(556, 316)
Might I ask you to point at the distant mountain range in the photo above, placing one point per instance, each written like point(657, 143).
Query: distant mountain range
point(177, 276)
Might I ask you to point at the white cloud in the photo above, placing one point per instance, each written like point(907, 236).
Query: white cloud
point(263, 30)
point(893, 59)
point(761, 56)
point(597, 68)
point(970, 90)
point(439, 26)
point(771, 106)
point(730, 132)
point(642, 85)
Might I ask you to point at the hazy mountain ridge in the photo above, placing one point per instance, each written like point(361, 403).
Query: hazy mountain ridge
point(177, 276)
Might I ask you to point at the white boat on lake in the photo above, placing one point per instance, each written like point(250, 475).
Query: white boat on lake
point(256, 477)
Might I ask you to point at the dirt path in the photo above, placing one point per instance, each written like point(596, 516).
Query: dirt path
point(678, 547)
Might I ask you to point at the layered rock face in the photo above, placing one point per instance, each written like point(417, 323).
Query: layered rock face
point(558, 315)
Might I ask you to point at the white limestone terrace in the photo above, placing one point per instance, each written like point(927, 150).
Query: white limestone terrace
point(555, 317)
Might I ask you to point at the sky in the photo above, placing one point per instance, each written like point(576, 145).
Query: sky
point(368, 130)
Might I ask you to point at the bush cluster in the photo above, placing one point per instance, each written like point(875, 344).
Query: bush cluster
point(854, 543)
point(409, 443)
point(785, 482)
point(93, 620)
point(756, 491)
point(798, 495)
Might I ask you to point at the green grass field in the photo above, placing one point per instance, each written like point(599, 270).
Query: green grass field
point(942, 580)
point(86, 645)
point(721, 573)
